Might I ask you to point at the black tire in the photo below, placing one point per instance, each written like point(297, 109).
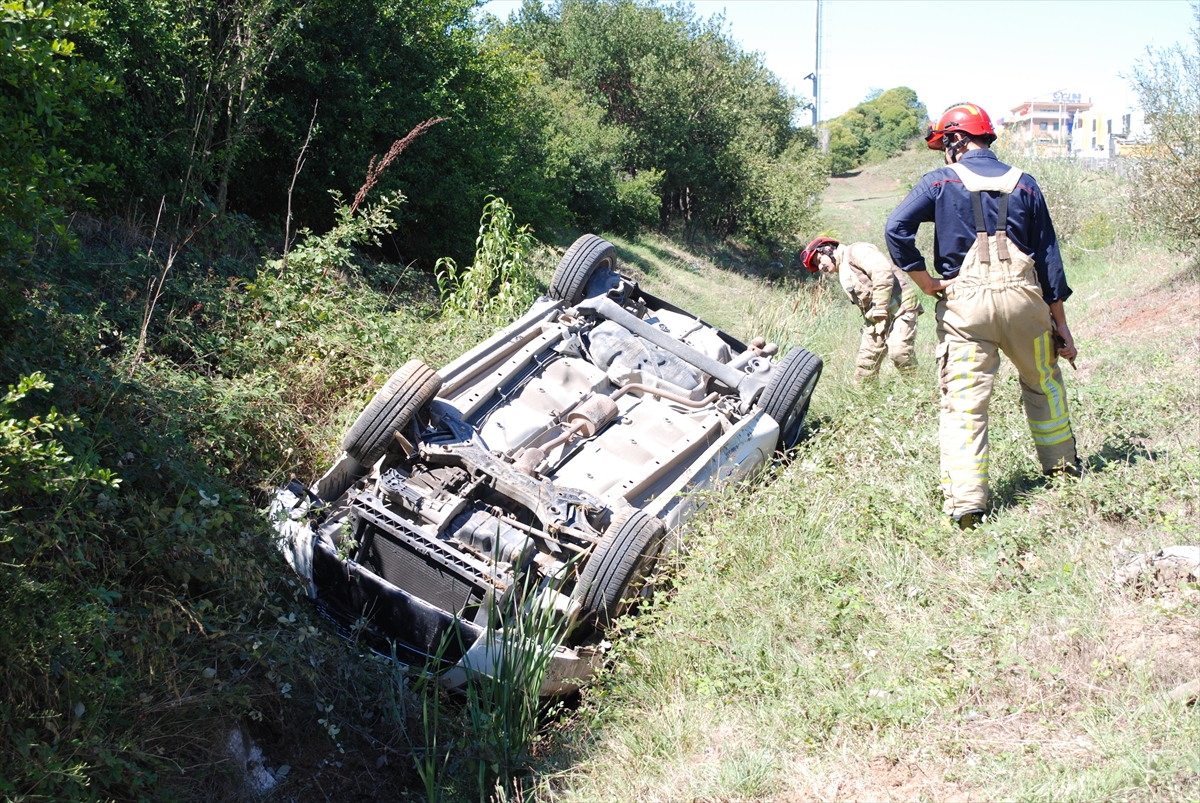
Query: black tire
point(585, 256)
point(394, 406)
point(610, 584)
point(787, 397)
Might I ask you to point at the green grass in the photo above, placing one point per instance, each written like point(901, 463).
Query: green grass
point(828, 635)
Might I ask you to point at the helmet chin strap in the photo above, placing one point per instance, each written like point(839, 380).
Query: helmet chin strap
point(954, 149)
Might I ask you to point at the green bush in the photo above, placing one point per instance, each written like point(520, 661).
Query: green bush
point(499, 283)
point(876, 129)
point(644, 98)
point(46, 88)
point(1167, 183)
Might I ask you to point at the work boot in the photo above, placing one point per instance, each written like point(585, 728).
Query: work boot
point(1065, 469)
point(969, 520)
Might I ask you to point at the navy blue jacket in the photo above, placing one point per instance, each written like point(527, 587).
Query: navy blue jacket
point(941, 199)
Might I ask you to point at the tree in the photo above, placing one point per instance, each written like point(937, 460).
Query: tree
point(194, 74)
point(877, 128)
point(686, 114)
point(1167, 186)
point(44, 89)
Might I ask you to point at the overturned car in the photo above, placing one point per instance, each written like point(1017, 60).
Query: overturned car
point(552, 460)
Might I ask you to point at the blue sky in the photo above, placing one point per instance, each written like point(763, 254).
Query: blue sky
point(941, 48)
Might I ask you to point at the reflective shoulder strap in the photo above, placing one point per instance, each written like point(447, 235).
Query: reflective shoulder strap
point(981, 232)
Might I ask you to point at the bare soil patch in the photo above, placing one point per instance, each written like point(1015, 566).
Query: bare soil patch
point(1152, 310)
point(883, 778)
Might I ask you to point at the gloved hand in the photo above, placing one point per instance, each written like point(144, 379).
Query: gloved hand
point(877, 314)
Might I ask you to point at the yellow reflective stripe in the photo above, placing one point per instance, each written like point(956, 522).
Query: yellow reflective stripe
point(1064, 427)
point(1052, 424)
point(966, 354)
point(1042, 354)
point(1048, 434)
point(961, 464)
point(1058, 429)
point(965, 479)
point(1051, 440)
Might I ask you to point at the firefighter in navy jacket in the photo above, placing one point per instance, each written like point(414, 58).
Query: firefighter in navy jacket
point(1000, 288)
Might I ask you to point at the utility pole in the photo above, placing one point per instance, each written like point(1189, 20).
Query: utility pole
point(818, 84)
point(815, 76)
point(817, 70)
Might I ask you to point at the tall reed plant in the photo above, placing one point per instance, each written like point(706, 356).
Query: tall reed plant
point(503, 701)
point(499, 718)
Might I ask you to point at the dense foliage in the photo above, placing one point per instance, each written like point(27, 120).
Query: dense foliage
point(678, 112)
point(876, 128)
point(604, 114)
point(1167, 82)
point(44, 89)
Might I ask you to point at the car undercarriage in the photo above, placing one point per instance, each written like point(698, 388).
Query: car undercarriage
point(548, 466)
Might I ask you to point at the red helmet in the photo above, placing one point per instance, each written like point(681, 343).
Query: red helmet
point(965, 117)
point(809, 255)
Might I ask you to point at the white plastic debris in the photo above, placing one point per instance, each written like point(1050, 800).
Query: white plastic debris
point(248, 758)
point(1167, 568)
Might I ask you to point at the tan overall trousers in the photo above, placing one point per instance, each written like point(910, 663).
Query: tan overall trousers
point(875, 285)
point(996, 305)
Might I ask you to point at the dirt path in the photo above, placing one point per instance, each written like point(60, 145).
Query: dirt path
point(857, 205)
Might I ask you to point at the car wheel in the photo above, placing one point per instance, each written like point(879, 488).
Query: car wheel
point(586, 255)
point(789, 392)
point(394, 406)
point(614, 577)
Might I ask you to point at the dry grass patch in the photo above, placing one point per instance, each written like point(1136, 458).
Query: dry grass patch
point(881, 778)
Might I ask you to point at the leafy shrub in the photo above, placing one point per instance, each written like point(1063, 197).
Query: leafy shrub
point(34, 464)
point(498, 283)
point(875, 129)
point(1167, 182)
point(46, 86)
point(636, 201)
point(780, 199)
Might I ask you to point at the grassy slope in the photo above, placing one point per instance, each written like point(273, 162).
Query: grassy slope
point(829, 637)
point(142, 623)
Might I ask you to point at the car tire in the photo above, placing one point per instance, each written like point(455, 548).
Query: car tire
point(787, 396)
point(623, 559)
point(394, 406)
point(585, 256)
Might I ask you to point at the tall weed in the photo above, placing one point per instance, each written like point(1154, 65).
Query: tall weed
point(499, 719)
point(503, 704)
point(1090, 208)
point(500, 281)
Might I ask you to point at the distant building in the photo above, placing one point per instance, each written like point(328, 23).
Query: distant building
point(1100, 135)
point(1043, 126)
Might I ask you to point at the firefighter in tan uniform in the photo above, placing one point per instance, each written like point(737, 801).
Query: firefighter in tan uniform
point(888, 300)
point(1001, 289)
